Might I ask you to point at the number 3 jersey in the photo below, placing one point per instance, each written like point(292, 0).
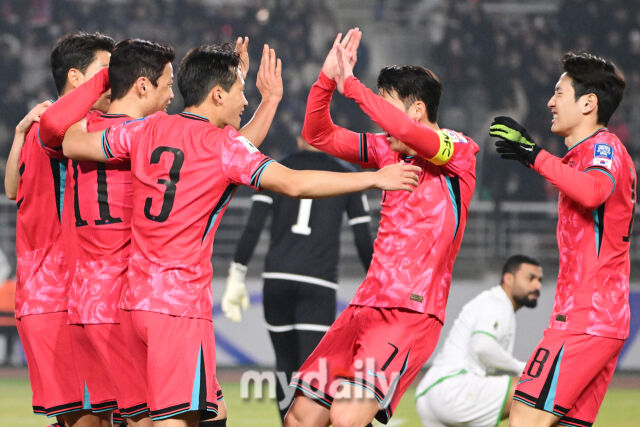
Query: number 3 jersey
point(102, 216)
point(592, 293)
point(184, 173)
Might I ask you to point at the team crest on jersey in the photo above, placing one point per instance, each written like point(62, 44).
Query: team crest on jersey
point(603, 155)
point(247, 144)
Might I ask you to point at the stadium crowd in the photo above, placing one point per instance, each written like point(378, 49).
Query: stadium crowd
point(498, 59)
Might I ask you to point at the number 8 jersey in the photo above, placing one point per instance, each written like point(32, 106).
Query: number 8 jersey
point(592, 294)
point(184, 173)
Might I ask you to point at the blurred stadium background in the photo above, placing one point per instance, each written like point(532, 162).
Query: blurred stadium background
point(492, 56)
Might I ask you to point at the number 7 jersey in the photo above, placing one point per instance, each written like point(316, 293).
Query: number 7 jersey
point(184, 173)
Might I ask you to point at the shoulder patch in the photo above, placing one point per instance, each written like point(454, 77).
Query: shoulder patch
point(455, 136)
point(247, 144)
point(602, 155)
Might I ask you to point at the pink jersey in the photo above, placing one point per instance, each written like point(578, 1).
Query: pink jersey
point(42, 271)
point(184, 172)
point(102, 218)
point(420, 232)
point(592, 293)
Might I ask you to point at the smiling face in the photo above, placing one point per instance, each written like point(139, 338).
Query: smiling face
point(160, 96)
point(234, 103)
point(565, 108)
point(395, 144)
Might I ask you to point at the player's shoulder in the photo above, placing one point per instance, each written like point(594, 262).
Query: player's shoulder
point(457, 137)
point(603, 144)
point(491, 299)
point(234, 139)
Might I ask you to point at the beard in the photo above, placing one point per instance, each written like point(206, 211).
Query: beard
point(526, 301)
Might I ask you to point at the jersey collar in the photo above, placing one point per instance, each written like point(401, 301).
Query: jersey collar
point(590, 136)
point(193, 116)
point(112, 116)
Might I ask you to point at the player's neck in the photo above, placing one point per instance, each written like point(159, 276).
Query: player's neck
point(124, 106)
point(515, 305)
point(203, 111)
point(580, 133)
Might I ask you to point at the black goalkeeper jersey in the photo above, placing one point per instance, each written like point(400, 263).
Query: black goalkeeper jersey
point(305, 233)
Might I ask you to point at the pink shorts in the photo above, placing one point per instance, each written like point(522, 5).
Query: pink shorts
point(568, 375)
point(46, 339)
point(175, 358)
point(104, 361)
point(380, 350)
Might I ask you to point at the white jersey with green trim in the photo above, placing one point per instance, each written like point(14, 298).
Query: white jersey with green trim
point(490, 313)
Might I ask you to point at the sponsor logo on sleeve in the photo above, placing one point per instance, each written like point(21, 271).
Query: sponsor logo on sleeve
point(247, 144)
point(602, 155)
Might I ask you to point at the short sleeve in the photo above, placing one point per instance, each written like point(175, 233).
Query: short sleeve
point(117, 141)
point(242, 162)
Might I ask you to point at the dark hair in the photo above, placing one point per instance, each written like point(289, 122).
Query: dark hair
point(513, 264)
point(134, 58)
point(204, 67)
point(593, 74)
point(413, 83)
point(76, 50)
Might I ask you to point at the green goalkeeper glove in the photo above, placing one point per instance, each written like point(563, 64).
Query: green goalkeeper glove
point(235, 298)
point(515, 142)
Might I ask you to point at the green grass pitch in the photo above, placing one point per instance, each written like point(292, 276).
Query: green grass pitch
point(621, 408)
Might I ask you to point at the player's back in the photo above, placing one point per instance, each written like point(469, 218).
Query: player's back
point(305, 233)
point(184, 172)
point(42, 272)
point(102, 195)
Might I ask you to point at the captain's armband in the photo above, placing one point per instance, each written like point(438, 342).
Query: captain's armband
point(445, 151)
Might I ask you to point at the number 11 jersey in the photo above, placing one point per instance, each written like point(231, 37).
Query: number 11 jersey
point(102, 218)
point(184, 173)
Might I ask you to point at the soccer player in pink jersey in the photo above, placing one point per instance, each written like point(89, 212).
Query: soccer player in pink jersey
point(141, 76)
point(596, 206)
point(43, 229)
point(376, 347)
point(185, 169)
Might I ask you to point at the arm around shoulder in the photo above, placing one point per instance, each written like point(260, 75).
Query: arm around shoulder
point(78, 144)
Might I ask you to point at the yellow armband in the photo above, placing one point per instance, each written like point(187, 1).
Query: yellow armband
point(445, 151)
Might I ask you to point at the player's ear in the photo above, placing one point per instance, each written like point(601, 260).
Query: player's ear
point(217, 95)
point(75, 77)
point(141, 86)
point(588, 102)
point(418, 110)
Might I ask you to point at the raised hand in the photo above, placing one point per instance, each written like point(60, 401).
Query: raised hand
point(269, 78)
point(32, 117)
point(242, 47)
point(350, 43)
point(344, 66)
point(398, 176)
point(515, 143)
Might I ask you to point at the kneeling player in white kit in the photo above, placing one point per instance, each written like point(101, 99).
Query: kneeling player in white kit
point(471, 381)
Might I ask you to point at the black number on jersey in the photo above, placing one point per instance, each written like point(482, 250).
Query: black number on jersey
point(170, 191)
point(103, 197)
point(633, 210)
point(76, 203)
point(539, 360)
